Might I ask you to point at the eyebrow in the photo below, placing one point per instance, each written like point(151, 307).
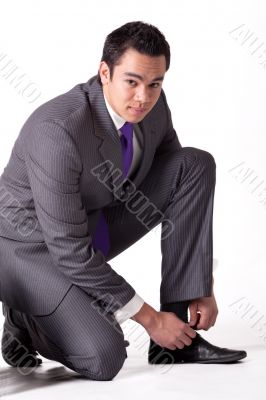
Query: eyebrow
point(133, 75)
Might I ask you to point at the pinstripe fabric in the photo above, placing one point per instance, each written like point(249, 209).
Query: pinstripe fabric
point(181, 184)
point(49, 181)
point(52, 274)
point(92, 345)
point(49, 176)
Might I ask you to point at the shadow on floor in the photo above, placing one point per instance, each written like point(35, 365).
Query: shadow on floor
point(13, 381)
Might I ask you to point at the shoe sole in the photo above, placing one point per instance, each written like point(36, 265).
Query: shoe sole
point(211, 361)
point(223, 361)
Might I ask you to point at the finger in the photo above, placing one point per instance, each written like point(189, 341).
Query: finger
point(171, 347)
point(179, 344)
point(198, 319)
point(185, 339)
point(190, 332)
point(204, 322)
point(193, 314)
point(212, 323)
point(213, 318)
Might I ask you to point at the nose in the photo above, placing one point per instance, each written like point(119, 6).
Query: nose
point(141, 95)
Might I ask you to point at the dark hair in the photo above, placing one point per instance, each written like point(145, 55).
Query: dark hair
point(143, 37)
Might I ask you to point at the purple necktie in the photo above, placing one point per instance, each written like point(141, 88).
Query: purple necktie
point(127, 146)
point(100, 238)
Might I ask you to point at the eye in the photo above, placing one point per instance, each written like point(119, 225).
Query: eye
point(155, 85)
point(131, 82)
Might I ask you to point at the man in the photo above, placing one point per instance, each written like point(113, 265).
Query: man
point(91, 172)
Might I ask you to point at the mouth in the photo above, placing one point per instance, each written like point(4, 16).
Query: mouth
point(137, 110)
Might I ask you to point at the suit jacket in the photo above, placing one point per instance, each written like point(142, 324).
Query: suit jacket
point(50, 200)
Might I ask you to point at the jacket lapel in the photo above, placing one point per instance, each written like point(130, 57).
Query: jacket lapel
point(104, 128)
point(110, 148)
point(147, 133)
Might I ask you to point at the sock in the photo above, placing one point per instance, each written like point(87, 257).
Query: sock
point(180, 309)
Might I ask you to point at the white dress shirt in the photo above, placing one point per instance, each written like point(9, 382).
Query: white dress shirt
point(137, 150)
point(135, 304)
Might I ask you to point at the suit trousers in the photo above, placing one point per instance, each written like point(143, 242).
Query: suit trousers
point(181, 185)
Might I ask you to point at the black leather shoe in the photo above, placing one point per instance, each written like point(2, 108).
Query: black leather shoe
point(200, 351)
point(17, 349)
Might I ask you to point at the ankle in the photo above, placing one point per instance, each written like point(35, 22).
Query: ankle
point(179, 308)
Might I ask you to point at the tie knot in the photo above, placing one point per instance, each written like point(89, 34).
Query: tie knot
point(127, 130)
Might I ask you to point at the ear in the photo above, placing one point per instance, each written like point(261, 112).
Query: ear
point(104, 73)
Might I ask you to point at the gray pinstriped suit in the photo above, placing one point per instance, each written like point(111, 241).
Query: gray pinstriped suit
point(49, 205)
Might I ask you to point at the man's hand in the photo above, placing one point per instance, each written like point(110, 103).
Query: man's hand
point(165, 328)
point(203, 312)
point(171, 332)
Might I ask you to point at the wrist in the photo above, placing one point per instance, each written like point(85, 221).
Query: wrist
point(146, 316)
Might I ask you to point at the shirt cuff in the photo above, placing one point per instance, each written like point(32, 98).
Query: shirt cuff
point(129, 309)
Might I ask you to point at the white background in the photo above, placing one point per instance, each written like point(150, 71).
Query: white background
point(216, 91)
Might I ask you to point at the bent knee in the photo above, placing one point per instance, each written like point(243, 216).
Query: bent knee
point(202, 156)
point(199, 160)
point(102, 364)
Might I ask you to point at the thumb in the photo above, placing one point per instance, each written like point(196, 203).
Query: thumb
point(193, 314)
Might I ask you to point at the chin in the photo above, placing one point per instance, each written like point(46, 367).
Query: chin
point(136, 118)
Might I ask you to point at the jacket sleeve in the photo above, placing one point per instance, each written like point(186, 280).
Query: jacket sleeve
point(170, 141)
point(54, 167)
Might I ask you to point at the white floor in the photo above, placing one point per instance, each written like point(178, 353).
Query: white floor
point(138, 379)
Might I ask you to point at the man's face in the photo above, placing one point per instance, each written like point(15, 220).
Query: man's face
point(136, 84)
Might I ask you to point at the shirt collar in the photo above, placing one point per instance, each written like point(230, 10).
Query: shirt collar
point(117, 120)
